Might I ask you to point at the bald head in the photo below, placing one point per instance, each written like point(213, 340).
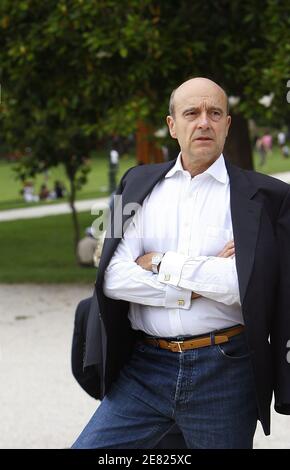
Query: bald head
point(202, 87)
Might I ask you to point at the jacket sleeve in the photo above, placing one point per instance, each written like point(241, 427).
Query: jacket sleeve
point(280, 329)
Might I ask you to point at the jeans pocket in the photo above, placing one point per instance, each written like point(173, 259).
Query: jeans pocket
point(234, 349)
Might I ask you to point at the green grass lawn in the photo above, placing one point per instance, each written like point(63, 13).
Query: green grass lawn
point(275, 163)
point(96, 186)
point(41, 251)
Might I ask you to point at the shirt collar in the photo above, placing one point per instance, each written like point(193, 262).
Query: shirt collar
point(217, 170)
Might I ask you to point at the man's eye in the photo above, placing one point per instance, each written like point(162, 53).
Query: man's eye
point(216, 114)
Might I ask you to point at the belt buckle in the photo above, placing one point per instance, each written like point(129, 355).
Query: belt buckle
point(179, 343)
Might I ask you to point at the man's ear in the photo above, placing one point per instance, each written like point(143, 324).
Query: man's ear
point(171, 126)
point(229, 120)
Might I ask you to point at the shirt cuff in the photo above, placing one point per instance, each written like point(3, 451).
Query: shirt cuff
point(171, 268)
point(176, 297)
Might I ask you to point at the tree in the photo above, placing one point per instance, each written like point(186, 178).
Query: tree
point(59, 81)
point(243, 45)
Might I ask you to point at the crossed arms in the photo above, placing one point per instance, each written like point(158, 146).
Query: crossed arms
point(145, 261)
point(181, 279)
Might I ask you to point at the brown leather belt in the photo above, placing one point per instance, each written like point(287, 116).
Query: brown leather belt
point(218, 337)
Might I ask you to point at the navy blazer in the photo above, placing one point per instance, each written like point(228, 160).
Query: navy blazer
point(260, 210)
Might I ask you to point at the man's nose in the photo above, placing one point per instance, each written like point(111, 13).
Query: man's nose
point(203, 120)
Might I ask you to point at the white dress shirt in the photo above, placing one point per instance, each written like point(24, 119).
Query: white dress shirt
point(189, 220)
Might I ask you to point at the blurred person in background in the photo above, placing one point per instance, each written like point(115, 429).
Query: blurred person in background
point(86, 248)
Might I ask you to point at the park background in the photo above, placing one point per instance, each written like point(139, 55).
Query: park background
point(78, 78)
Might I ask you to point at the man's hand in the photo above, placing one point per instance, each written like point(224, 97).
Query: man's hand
point(227, 252)
point(145, 261)
point(195, 296)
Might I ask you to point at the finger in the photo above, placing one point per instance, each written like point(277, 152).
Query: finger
point(226, 252)
point(229, 244)
point(229, 249)
point(229, 253)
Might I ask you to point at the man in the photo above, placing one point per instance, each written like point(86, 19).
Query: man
point(191, 292)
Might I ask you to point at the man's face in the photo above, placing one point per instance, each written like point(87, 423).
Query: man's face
point(200, 122)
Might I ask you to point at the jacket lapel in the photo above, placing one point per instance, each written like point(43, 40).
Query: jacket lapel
point(136, 190)
point(246, 214)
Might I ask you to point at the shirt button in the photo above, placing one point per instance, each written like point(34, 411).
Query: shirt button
point(180, 302)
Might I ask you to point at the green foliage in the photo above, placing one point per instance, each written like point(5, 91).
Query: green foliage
point(59, 80)
point(74, 71)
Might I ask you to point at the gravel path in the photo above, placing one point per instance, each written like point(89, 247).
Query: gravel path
point(41, 405)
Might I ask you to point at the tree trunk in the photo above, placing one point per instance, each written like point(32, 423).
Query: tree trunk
point(72, 196)
point(238, 148)
point(146, 148)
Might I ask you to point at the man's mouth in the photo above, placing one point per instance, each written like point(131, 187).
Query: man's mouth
point(203, 138)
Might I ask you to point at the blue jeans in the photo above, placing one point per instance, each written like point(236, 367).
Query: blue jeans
point(208, 392)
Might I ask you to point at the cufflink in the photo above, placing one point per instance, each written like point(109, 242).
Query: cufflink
point(181, 302)
point(166, 277)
